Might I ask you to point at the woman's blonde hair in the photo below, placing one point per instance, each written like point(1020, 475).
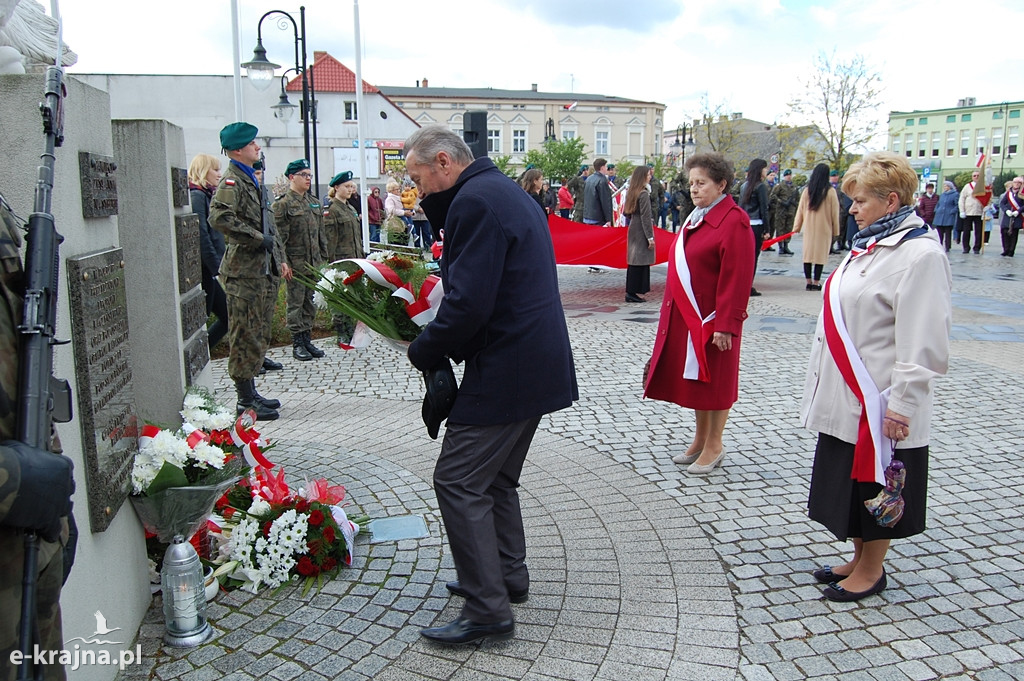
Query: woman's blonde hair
point(331, 192)
point(200, 167)
point(391, 187)
point(880, 173)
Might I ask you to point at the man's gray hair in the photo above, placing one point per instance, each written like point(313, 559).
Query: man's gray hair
point(430, 140)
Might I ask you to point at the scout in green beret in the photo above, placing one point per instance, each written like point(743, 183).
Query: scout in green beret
point(296, 167)
point(344, 238)
point(234, 136)
point(344, 176)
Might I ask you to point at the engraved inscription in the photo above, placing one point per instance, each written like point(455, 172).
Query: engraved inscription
point(190, 268)
point(179, 187)
point(106, 398)
point(193, 312)
point(196, 356)
point(98, 175)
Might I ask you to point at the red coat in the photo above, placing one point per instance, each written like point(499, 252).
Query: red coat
point(720, 256)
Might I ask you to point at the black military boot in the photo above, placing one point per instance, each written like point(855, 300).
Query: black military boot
point(313, 350)
point(271, 365)
point(247, 400)
point(299, 350)
point(269, 403)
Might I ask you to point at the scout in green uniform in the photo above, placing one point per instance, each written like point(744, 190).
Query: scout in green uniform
point(344, 237)
point(782, 205)
point(299, 220)
point(35, 485)
point(575, 186)
point(251, 260)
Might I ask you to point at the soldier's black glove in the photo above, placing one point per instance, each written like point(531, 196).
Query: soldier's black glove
point(44, 495)
point(268, 243)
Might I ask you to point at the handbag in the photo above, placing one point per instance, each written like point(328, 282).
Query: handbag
point(441, 391)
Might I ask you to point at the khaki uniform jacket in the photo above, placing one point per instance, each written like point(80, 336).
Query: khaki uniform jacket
point(299, 221)
point(895, 302)
point(235, 212)
point(343, 232)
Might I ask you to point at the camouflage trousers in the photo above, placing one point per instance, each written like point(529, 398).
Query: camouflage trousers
point(248, 325)
point(48, 585)
point(301, 309)
point(344, 326)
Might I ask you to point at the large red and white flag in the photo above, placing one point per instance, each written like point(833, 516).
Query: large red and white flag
point(983, 187)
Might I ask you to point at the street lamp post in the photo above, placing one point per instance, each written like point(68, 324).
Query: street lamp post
point(549, 130)
point(677, 147)
point(260, 71)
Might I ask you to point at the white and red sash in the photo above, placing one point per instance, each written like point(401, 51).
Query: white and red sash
point(1012, 198)
point(697, 326)
point(869, 457)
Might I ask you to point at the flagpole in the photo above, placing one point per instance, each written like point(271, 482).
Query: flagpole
point(363, 181)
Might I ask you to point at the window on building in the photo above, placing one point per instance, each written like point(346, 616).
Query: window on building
point(1015, 113)
point(896, 144)
point(922, 121)
point(936, 142)
point(809, 158)
point(950, 142)
point(601, 143)
point(922, 144)
point(908, 145)
point(965, 142)
point(965, 118)
point(518, 141)
point(1011, 139)
point(951, 118)
point(910, 122)
point(997, 115)
point(997, 140)
point(494, 141)
point(568, 134)
point(979, 140)
point(350, 111)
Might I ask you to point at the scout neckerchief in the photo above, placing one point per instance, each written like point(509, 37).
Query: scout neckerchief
point(870, 458)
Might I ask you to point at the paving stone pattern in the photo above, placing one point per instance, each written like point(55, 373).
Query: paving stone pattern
point(638, 570)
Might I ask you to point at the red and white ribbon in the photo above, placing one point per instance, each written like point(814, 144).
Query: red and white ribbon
point(422, 308)
point(248, 440)
point(870, 458)
point(696, 367)
point(149, 432)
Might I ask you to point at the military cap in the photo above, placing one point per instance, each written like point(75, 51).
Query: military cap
point(786, 172)
point(234, 136)
point(296, 166)
point(611, 166)
point(258, 165)
point(582, 168)
point(834, 173)
point(341, 177)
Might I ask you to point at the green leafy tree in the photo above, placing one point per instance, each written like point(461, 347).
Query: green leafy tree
point(559, 160)
point(504, 164)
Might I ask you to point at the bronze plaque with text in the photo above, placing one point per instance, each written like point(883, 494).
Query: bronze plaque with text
point(179, 187)
point(99, 184)
point(190, 264)
point(106, 398)
point(193, 312)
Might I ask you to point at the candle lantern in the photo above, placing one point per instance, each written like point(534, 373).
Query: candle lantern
point(184, 596)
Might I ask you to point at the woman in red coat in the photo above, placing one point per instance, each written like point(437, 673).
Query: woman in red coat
point(696, 359)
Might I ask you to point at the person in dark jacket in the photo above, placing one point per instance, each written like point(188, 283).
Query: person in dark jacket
point(754, 200)
point(203, 178)
point(1011, 205)
point(927, 203)
point(502, 316)
point(946, 214)
point(597, 196)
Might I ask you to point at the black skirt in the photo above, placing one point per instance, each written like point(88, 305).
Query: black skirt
point(638, 279)
point(837, 502)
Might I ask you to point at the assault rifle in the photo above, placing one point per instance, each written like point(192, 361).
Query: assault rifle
point(264, 212)
point(42, 399)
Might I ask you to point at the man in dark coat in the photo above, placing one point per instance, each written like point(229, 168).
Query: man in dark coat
point(597, 196)
point(501, 314)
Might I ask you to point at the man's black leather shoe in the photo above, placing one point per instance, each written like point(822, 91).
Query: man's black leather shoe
point(271, 365)
point(464, 630)
point(513, 596)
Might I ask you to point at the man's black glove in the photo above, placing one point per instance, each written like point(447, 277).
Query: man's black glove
point(44, 494)
point(268, 243)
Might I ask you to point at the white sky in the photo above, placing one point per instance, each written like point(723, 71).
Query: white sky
point(748, 55)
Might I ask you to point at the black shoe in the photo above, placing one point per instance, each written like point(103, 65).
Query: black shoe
point(313, 350)
point(271, 365)
point(815, 287)
point(826, 576)
point(634, 298)
point(810, 287)
point(268, 402)
point(834, 592)
point(464, 630)
point(770, 249)
point(299, 350)
point(513, 596)
point(754, 292)
point(247, 400)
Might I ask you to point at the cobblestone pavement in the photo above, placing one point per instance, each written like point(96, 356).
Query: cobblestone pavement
point(638, 570)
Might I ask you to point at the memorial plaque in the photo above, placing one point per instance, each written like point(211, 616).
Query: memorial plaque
point(179, 187)
point(193, 312)
point(99, 184)
point(190, 264)
point(196, 356)
point(106, 398)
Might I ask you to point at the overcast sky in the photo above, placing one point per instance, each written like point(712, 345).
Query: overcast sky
point(749, 56)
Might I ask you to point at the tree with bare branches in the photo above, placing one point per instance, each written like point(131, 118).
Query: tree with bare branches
point(841, 98)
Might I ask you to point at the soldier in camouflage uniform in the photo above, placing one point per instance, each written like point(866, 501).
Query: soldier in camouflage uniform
point(275, 279)
point(657, 195)
point(344, 236)
point(782, 204)
point(299, 220)
point(251, 260)
point(575, 186)
point(35, 485)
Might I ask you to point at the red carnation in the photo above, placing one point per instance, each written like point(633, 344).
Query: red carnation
point(329, 564)
point(222, 502)
point(329, 535)
point(266, 528)
point(316, 518)
point(352, 277)
point(306, 567)
point(227, 512)
point(301, 505)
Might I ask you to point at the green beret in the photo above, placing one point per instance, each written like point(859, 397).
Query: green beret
point(834, 173)
point(341, 177)
point(611, 166)
point(296, 166)
point(582, 168)
point(234, 136)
